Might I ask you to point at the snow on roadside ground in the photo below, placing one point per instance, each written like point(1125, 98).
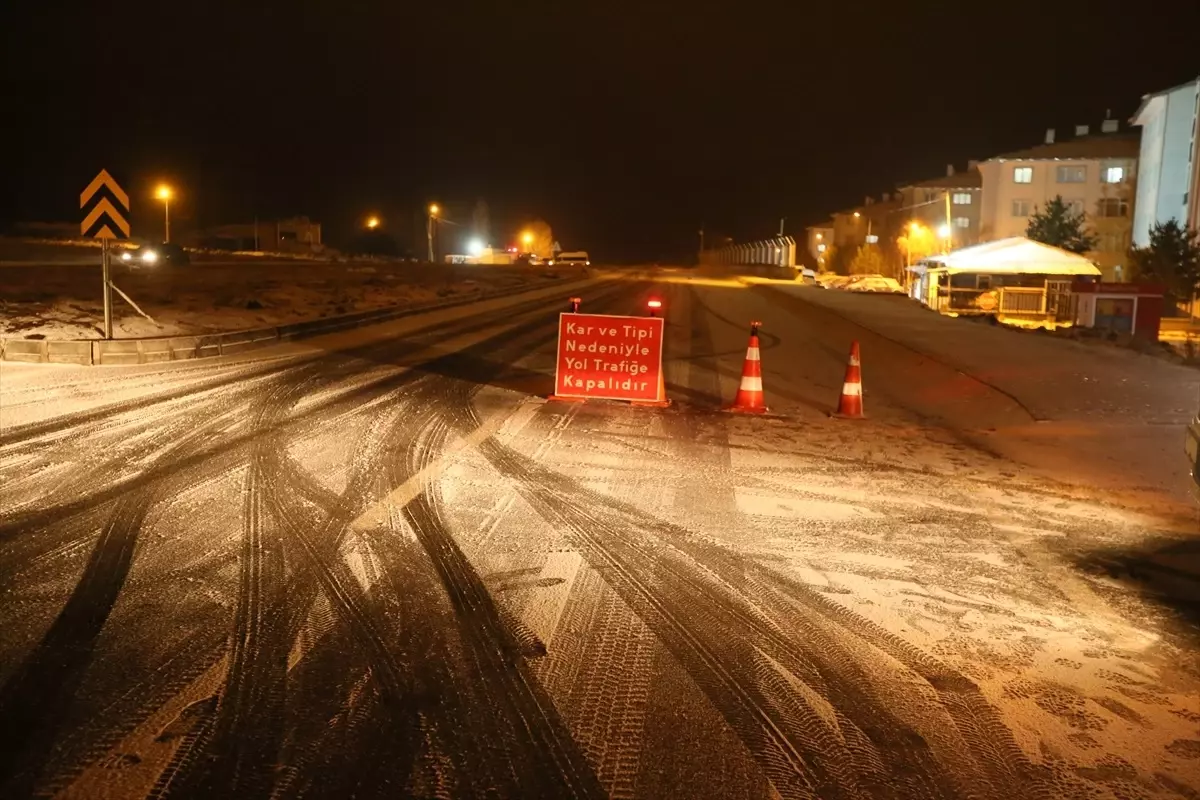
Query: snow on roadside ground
point(64, 302)
point(989, 571)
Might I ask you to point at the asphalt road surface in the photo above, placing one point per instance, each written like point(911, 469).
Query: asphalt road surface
point(380, 564)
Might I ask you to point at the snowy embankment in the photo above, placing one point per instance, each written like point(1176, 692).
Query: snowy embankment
point(64, 302)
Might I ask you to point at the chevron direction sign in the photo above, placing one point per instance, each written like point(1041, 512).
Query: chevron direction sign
point(106, 209)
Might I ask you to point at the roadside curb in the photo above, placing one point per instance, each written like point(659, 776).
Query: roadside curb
point(101, 352)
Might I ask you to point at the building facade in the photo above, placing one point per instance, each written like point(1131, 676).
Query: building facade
point(926, 205)
point(1094, 174)
point(296, 235)
point(817, 243)
point(1168, 167)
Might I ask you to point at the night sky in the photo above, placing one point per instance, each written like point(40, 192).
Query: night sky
point(626, 125)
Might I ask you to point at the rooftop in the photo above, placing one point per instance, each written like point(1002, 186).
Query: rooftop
point(971, 179)
point(1110, 145)
point(1147, 99)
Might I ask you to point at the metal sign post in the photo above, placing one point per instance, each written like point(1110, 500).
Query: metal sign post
point(106, 217)
point(107, 289)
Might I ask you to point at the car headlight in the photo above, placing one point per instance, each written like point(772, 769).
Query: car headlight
point(126, 256)
point(149, 256)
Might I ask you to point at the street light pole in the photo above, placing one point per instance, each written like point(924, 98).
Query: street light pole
point(429, 223)
point(164, 193)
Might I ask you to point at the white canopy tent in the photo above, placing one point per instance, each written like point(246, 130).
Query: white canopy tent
point(1015, 256)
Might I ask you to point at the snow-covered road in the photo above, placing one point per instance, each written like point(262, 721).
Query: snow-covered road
point(379, 564)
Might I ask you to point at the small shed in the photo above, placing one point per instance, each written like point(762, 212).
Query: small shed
point(1123, 308)
point(1016, 279)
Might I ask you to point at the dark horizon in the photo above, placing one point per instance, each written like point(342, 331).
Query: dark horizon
point(626, 128)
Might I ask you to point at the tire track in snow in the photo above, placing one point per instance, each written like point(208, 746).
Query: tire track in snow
point(36, 701)
point(558, 497)
point(544, 759)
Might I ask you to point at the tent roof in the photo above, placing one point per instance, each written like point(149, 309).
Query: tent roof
point(1015, 256)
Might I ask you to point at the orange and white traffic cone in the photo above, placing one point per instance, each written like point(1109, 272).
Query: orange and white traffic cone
point(850, 404)
point(749, 397)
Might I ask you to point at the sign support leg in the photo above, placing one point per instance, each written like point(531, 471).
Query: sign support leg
point(107, 290)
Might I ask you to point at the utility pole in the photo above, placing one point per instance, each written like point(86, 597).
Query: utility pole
point(781, 219)
point(430, 221)
point(949, 226)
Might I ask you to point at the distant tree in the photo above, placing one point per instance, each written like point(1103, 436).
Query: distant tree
point(916, 242)
point(1059, 226)
point(827, 259)
point(481, 221)
point(867, 261)
point(543, 238)
point(1172, 258)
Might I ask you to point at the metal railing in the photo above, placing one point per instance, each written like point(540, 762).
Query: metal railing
point(777, 252)
point(1018, 300)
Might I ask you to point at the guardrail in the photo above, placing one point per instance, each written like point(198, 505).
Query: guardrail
point(104, 352)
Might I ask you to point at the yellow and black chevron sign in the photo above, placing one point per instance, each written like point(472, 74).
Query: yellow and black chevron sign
point(105, 209)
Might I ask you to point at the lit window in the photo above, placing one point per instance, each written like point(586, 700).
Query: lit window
point(1075, 206)
point(962, 222)
point(1021, 208)
point(962, 198)
point(1114, 174)
point(1073, 174)
point(1113, 207)
point(1023, 175)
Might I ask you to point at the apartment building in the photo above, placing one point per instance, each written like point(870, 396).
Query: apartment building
point(1094, 174)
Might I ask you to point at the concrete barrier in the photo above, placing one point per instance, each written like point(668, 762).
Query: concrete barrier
point(69, 352)
point(29, 350)
point(173, 348)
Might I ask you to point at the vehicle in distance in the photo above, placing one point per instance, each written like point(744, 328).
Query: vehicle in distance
point(874, 283)
point(577, 258)
point(831, 281)
point(157, 254)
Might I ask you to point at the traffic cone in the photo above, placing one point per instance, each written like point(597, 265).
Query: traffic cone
point(749, 397)
point(850, 404)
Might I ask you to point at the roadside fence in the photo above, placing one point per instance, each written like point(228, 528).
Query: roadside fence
point(777, 252)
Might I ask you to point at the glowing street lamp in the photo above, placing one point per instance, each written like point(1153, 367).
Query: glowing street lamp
point(527, 240)
point(944, 231)
point(163, 192)
point(372, 223)
point(429, 223)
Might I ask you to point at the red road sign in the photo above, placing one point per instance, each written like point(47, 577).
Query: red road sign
point(609, 358)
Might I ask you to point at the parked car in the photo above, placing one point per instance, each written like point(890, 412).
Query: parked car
point(831, 281)
point(807, 277)
point(874, 283)
point(157, 255)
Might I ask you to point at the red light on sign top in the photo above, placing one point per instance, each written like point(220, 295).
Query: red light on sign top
point(654, 304)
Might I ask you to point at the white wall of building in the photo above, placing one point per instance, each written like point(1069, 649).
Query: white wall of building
point(1167, 186)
